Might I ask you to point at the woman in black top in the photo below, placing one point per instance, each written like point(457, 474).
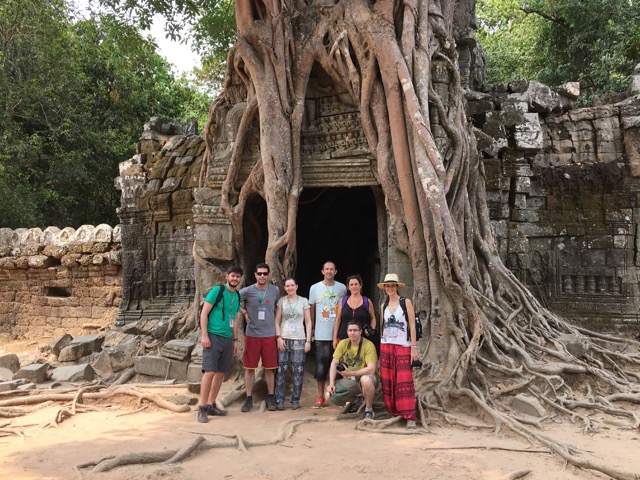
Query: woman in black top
point(354, 306)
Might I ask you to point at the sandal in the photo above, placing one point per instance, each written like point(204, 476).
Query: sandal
point(319, 403)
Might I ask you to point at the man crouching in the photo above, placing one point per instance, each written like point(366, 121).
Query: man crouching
point(355, 360)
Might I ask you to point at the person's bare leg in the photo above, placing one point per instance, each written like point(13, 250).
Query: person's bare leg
point(269, 378)
point(218, 377)
point(249, 380)
point(205, 387)
point(368, 390)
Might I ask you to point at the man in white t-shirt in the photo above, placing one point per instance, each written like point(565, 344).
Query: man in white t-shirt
point(324, 297)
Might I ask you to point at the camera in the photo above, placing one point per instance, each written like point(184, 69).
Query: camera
point(416, 364)
point(369, 330)
point(341, 367)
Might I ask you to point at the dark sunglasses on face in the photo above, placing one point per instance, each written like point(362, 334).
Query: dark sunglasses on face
point(262, 274)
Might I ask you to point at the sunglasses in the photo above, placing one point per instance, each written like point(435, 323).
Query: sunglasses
point(262, 274)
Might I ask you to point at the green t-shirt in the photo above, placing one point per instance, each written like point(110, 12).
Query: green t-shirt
point(346, 352)
point(221, 317)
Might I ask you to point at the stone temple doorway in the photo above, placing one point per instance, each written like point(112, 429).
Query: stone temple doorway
point(255, 236)
point(338, 224)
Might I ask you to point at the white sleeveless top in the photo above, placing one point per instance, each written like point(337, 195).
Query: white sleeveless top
point(395, 327)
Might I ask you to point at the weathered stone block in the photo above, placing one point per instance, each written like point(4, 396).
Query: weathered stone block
point(178, 370)
point(152, 365)
point(36, 372)
point(194, 388)
point(73, 373)
point(571, 90)
point(102, 365)
point(58, 344)
point(81, 347)
point(523, 215)
point(5, 374)
point(177, 349)
point(122, 356)
point(27, 386)
point(194, 373)
point(528, 405)
point(10, 361)
point(594, 258)
point(196, 354)
point(8, 386)
point(528, 134)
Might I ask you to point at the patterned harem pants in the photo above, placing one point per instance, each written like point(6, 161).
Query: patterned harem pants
point(294, 352)
point(397, 381)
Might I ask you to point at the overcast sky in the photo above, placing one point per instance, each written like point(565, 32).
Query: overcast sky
point(179, 55)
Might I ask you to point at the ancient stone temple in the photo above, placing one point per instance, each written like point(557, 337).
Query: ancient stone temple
point(561, 184)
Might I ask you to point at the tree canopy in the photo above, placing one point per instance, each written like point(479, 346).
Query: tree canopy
point(595, 42)
point(74, 94)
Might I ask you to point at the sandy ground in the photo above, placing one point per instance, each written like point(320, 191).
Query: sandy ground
point(322, 448)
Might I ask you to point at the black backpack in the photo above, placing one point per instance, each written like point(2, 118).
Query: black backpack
point(403, 305)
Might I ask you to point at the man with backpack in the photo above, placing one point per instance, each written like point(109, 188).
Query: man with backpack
point(219, 340)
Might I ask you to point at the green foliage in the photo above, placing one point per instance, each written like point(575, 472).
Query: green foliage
point(209, 24)
point(595, 42)
point(73, 99)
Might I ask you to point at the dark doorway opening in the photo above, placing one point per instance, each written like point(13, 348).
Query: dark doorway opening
point(338, 224)
point(255, 233)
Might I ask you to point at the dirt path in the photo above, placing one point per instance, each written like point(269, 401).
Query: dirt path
point(318, 450)
point(331, 448)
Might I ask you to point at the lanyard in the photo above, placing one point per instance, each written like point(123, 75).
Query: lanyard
point(262, 297)
point(292, 309)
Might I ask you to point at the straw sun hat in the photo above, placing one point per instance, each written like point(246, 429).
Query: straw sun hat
point(391, 279)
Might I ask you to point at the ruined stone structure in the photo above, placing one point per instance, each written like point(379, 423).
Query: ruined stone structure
point(562, 189)
point(58, 281)
point(563, 192)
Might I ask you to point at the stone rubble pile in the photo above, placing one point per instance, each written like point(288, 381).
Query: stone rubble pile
point(106, 357)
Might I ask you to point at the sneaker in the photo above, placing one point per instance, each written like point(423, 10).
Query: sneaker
point(319, 403)
point(280, 406)
point(271, 403)
point(411, 424)
point(369, 415)
point(248, 405)
point(295, 406)
point(213, 410)
point(202, 414)
point(355, 406)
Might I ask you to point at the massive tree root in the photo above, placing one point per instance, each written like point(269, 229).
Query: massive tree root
point(199, 444)
point(488, 337)
point(39, 398)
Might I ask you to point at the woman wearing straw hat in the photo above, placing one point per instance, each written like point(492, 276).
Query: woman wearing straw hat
point(397, 351)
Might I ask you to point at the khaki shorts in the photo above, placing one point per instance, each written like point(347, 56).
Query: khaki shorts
point(347, 388)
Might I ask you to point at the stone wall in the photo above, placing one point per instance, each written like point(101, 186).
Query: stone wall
point(157, 217)
point(562, 187)
point(58, 281)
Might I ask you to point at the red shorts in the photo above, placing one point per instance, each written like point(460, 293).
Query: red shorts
point(256, 347)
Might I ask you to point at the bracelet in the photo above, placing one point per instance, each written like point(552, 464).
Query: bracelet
point(308, 341)
point(235, 339)
point(278, 336)
point(413, 346)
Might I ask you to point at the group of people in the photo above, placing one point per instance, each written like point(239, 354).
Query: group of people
point(279, 331)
